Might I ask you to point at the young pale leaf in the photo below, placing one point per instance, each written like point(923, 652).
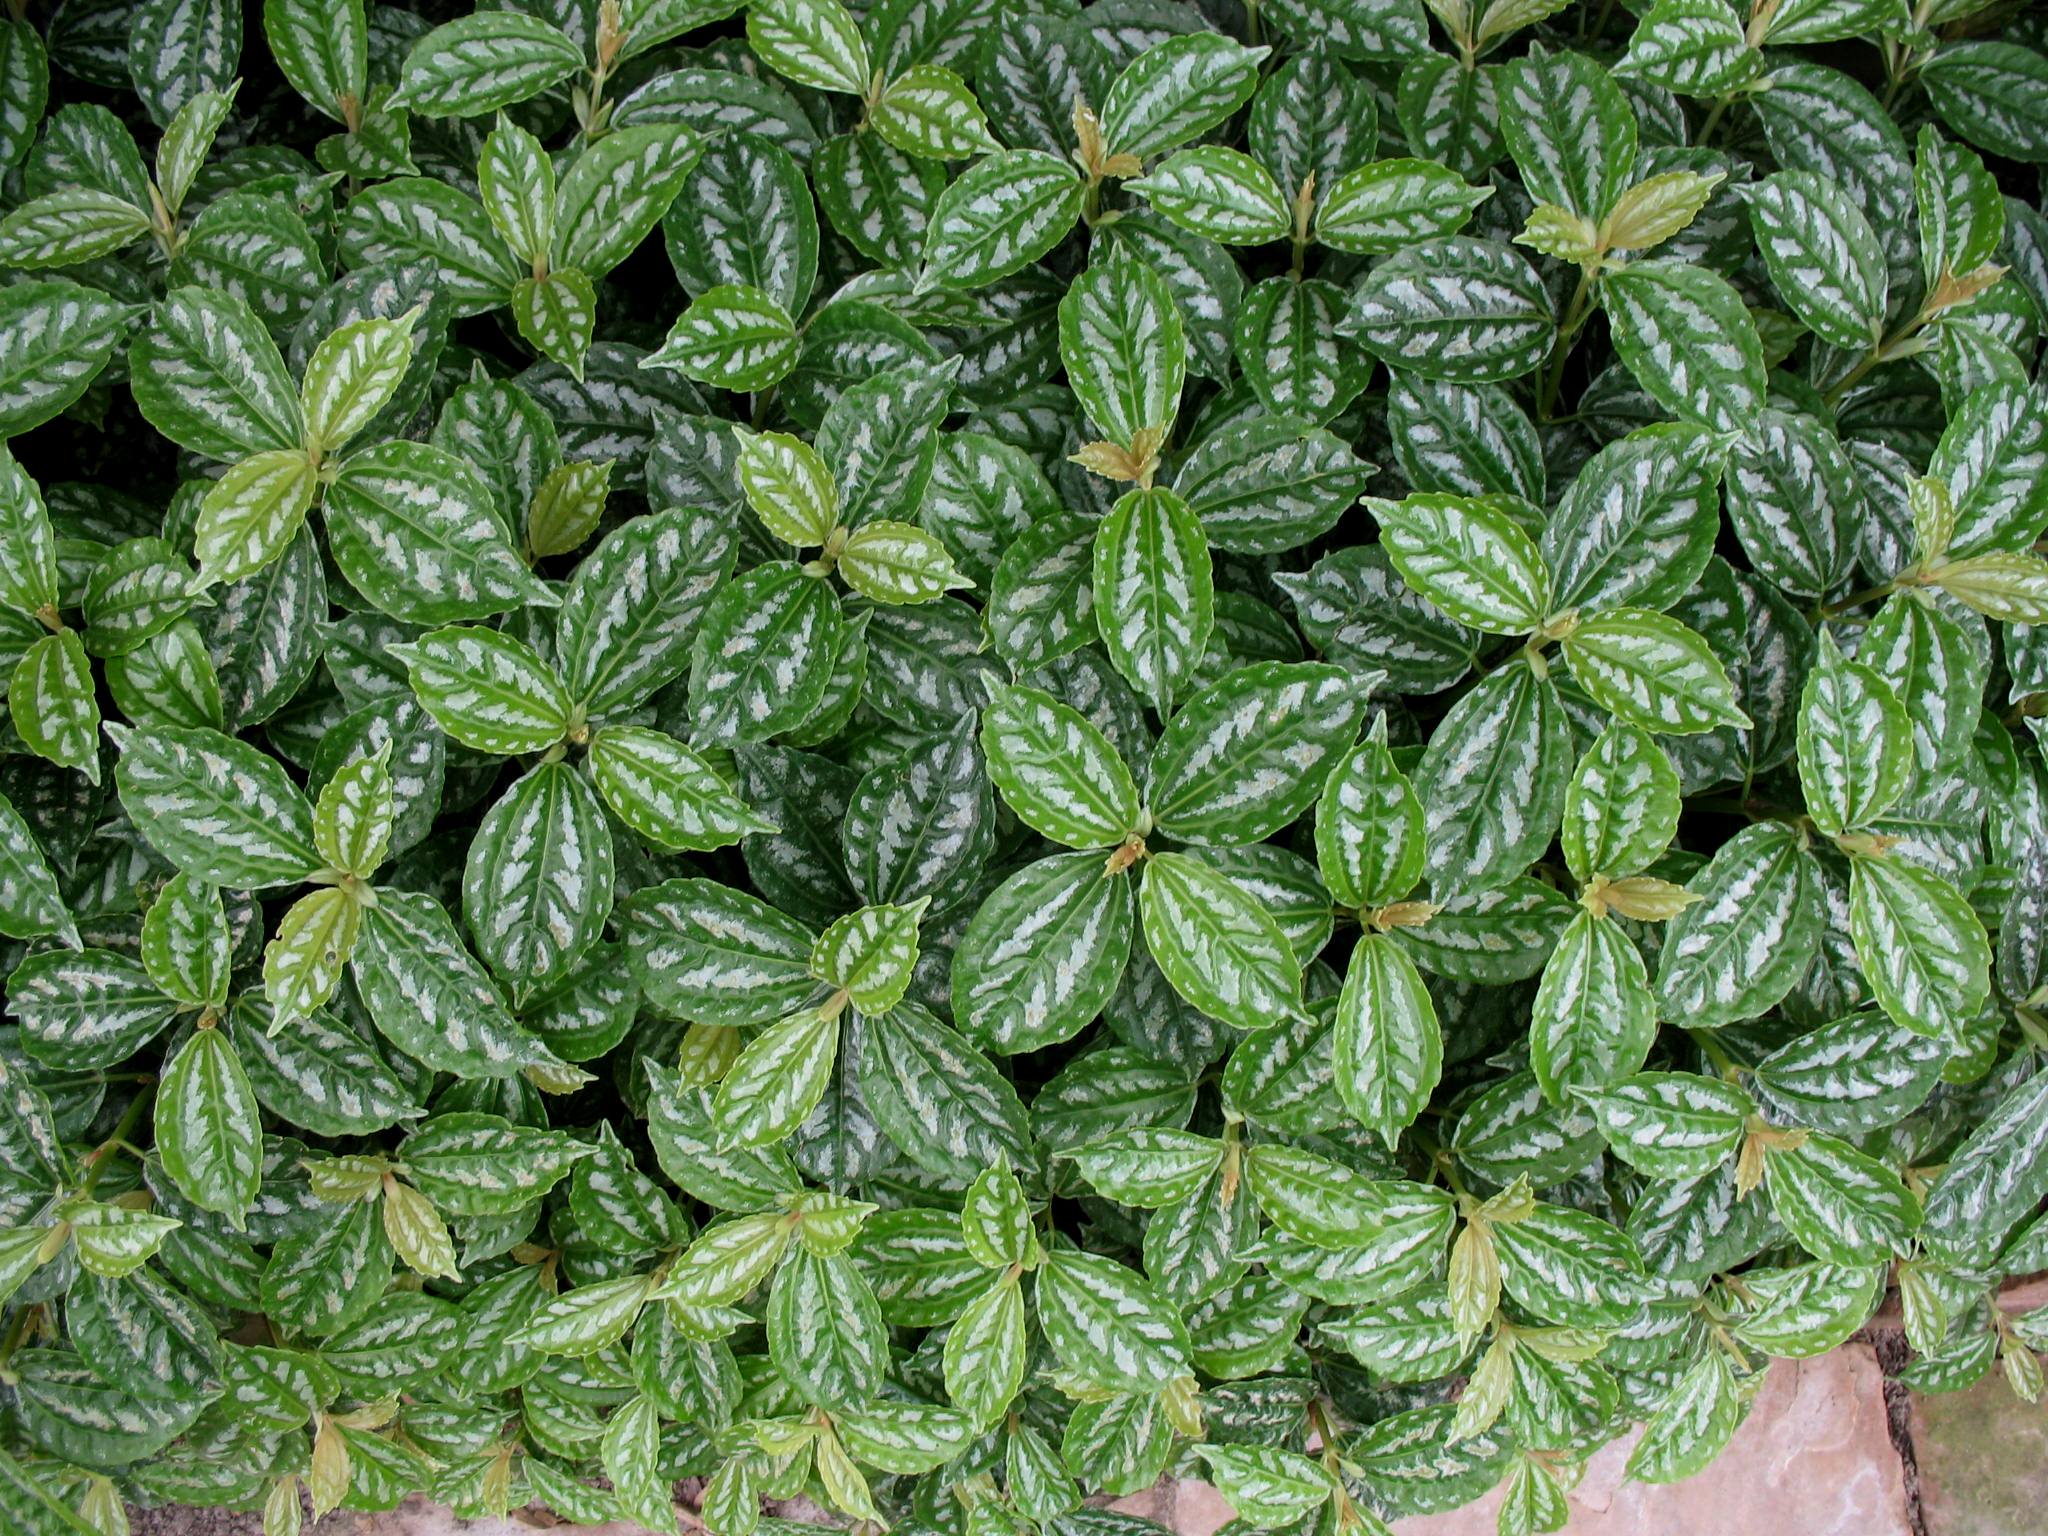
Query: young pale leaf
point(891, 562)
point(249, 516)
point(304, 960)
point(987, 1352)
point(929, 111)
point(870, 954)
point(351, 376)
point(788, 485)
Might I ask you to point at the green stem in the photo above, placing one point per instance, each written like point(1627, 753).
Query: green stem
point(1711, 1049)
point(1715, 113)
point(16, 1330)
point(1856, 600)
point(96, 1161)
point(1576, 313)
point(1880, 353)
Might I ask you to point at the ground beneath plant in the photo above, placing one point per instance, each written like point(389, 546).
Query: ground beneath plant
point(1833, 1447)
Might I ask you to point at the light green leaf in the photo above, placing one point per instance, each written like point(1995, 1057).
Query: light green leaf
point(216, 807)
point(892, 562)
point(788, 485)
point(1219, 948)
point(304, 960)
point(208, 1130)
point(1388, 205)
point(251, 514)
point(667, 793)
point(477, 64)
point(928, 110)
point(486, 689)
point(777, 1080)
point(870, 954)
point(1154, 592)
point(1469, 555)
point(1389, 1047)
point(734, 337)
point(1650, 670)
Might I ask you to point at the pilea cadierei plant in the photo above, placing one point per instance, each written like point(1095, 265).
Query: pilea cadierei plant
point(913, 761)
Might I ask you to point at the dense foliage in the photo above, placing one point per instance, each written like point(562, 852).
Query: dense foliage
point(946, 756)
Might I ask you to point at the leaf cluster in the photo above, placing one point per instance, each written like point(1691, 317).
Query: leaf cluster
point(932, 757)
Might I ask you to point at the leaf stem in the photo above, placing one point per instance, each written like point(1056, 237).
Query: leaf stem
point(1715, 113)
point(96, 1161)
point(1576, 313)
point(1856, 600)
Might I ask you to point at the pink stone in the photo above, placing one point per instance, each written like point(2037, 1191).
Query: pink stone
point(1814, 1458)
